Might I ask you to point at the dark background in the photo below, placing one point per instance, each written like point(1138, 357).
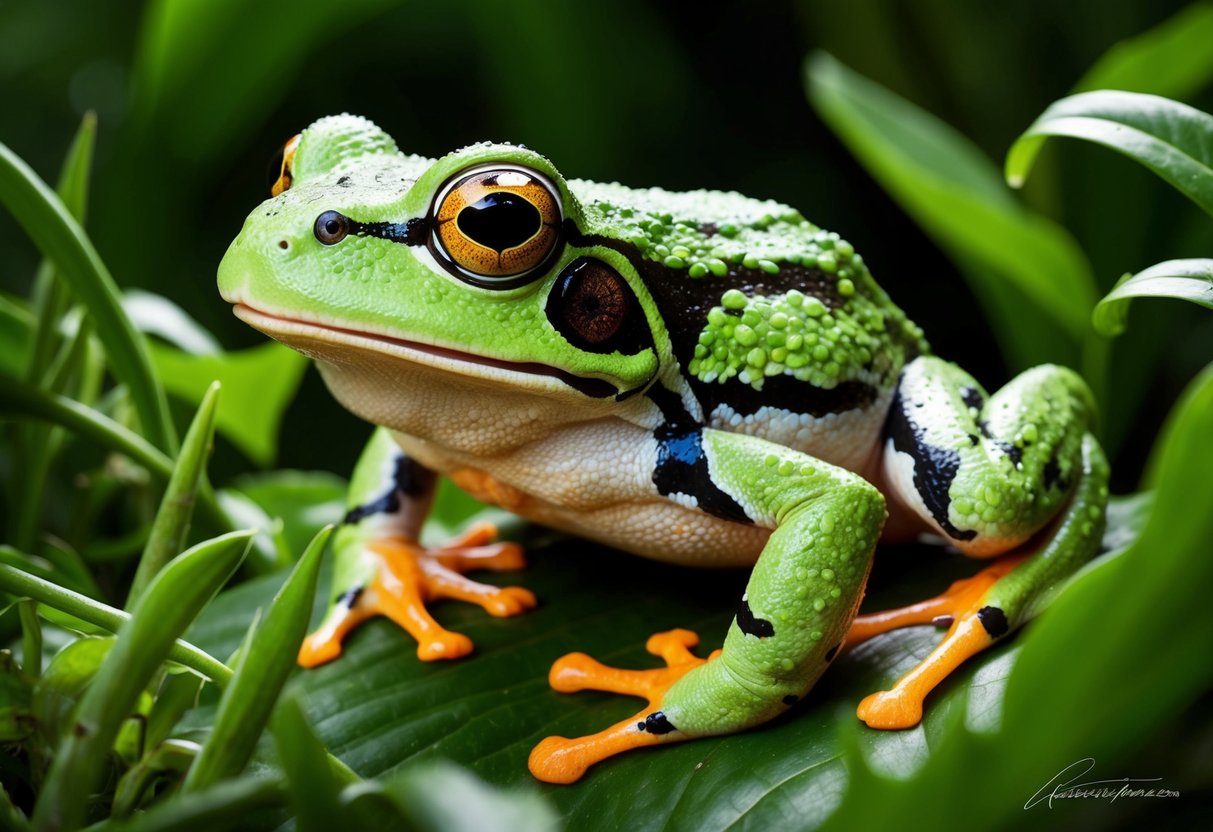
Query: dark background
point(672, 95)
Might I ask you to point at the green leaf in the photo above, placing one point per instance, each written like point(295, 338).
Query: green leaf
point(954, 193)
point(1171, 139)
point(1173, 59)
point(304, 501)
point(249, 803)
point(59, 688)
point(1190, 280)
point(171, 524)
point(259, 383)
point(248, 701)
point(61, 239)
point(172, 601)
point(16, 324)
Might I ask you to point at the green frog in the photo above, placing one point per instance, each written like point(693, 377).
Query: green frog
point(699, 377)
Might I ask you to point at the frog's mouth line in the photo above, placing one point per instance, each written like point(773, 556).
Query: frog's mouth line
point(275, 325)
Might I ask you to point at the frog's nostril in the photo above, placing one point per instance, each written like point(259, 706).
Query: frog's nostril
point(284, 245)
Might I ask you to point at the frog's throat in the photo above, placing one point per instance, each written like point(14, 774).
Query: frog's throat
point(298, 334)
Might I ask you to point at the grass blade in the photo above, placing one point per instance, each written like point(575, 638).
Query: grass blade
point(1190, 280)
point(1169, 138)
point(169, 529)
point(263, 669)
point(172, 601)
point(311, 786)
point(61, 239)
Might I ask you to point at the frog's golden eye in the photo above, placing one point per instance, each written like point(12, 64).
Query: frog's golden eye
point(495, 225)
point(280, 171)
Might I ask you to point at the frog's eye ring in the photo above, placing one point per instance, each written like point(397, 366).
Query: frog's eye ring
point(280, 173)
point(496, 225)
point(593, 307)
point(331, 228)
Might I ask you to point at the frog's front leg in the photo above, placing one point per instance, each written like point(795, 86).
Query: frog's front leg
point(989, 474)
point(381, 569)
point(796, 609)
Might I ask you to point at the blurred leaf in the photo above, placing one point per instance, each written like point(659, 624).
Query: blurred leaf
point(157, 315)
point(16, 715)
point(305, 501)
point(1190, 280)
point(955, 194)
point(249, 803)
point(187, 94)
point(445, 798)
point(61, 239)
point(16, 324)
point(1173, 59)
point(1171, 139)
point(258, 385)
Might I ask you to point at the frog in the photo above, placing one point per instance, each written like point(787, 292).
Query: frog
point(698, 377)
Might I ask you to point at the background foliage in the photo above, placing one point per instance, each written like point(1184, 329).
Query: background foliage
point(191, 98)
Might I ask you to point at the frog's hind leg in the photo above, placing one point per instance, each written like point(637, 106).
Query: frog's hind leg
point(561, 760)
point(382, 570)
point(988, 476)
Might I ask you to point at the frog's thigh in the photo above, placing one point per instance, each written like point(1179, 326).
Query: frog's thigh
point(987, 475)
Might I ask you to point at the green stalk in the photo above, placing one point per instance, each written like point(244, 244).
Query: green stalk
point(313, 789)
point(169, 529)
point(25, 585)
point(170, 604)
point(31, 638)
point(265, 663)
point(51, 226)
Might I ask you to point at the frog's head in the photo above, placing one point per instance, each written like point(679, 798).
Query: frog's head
point(438, 290)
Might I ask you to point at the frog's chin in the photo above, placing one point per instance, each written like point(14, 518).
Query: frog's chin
point(328, 343)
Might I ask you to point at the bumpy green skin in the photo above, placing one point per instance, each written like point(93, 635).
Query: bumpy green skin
point(807, 584)
point(825, 520)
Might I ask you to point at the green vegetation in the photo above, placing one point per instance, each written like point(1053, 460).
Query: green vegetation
point(155, 591)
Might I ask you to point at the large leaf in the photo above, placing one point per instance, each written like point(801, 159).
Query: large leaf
point(1171, 139)
point(258, 385)
point(379, 708)
point(954, 193)
point(1172, 59)
point(1190, 280)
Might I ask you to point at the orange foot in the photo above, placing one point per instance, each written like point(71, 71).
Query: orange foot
point(408, 577)
point(561, 760)
point(961, 609)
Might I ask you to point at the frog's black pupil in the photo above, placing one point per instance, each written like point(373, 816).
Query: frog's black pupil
point(332, 226)
point(500, 221)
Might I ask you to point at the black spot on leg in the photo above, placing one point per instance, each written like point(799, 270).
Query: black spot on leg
point(410, 478)
point(656, 723)
point(350, 597)
point(1051, 475)
point(994, 620)
point(972, 397)
point(750, 624)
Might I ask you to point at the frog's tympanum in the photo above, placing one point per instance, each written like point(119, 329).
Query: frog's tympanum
point(697, 377)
